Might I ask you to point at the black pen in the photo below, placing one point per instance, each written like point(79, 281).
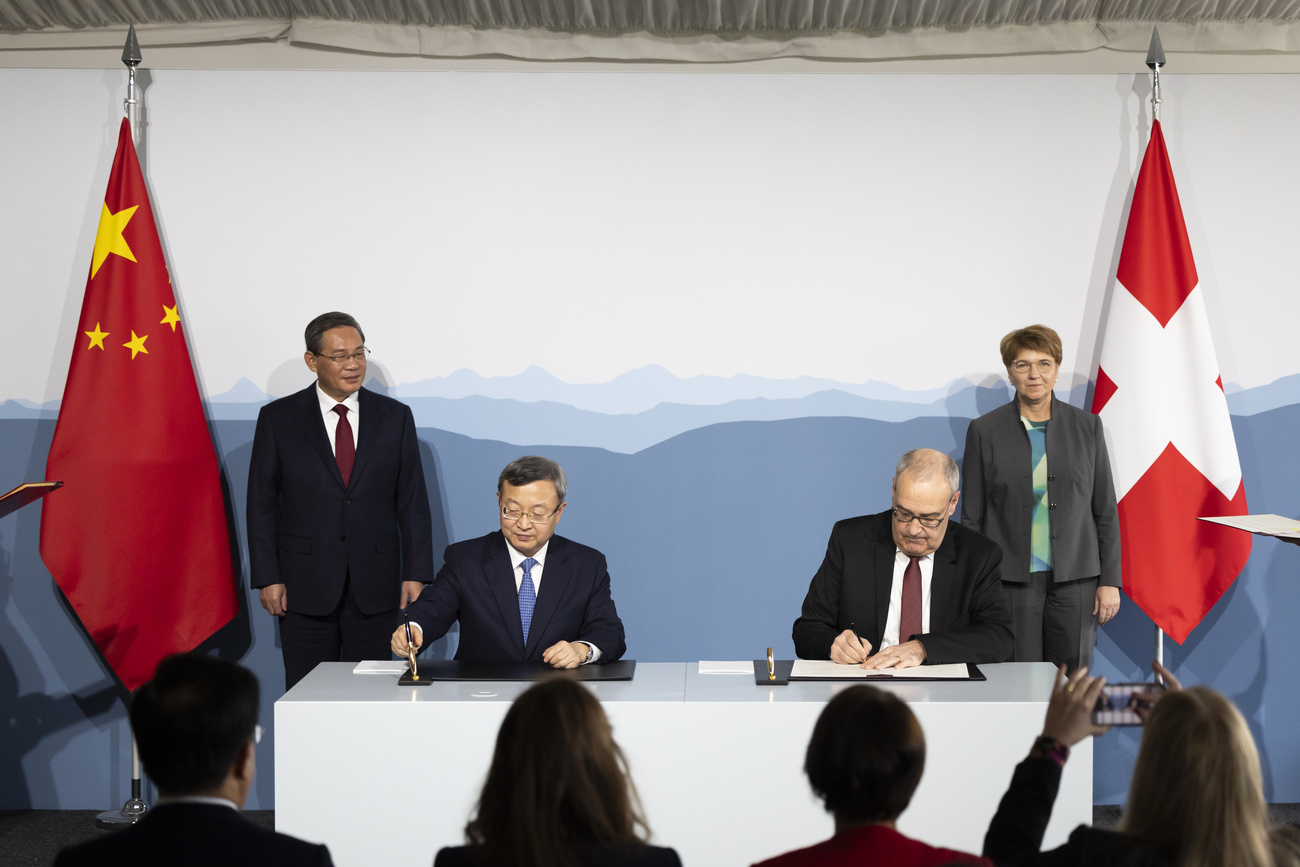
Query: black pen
point(410, 646)
point(852, 626)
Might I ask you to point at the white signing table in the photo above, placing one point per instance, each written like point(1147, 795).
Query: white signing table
point(387, 775)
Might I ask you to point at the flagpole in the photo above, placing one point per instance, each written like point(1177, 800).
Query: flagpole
point(1155, 60)
point(131, 57)
point(135, 807)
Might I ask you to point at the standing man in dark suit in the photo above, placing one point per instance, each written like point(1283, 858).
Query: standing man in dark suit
point(339, 533)
point(196, 726)
point(907, 586)
point(522, 593)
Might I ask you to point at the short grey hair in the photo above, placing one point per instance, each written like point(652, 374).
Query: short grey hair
point(925, 464)
point(316, 329)
point(534, 468)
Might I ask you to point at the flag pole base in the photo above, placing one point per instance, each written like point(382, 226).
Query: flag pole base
point(132, 811)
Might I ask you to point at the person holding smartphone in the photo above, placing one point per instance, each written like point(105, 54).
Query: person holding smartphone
point(1196, 798)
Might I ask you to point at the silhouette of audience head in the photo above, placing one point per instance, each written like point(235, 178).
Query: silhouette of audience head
point(195, 725)
point(558, 783)
point(1197, 790)
point(865, 757)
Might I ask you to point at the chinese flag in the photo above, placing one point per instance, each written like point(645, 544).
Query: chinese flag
point(137, 538)
point(1173, 455)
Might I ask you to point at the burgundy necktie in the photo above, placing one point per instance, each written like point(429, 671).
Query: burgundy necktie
point(909, 622)
point(345, 448)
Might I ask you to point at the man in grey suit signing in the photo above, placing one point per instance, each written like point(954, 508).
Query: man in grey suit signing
point(908, 586)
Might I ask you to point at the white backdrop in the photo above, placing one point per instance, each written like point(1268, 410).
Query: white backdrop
point(851, 227)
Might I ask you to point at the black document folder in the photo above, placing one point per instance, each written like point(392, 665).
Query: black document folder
point(463, 669)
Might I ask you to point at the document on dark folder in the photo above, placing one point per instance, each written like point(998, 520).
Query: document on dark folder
point(824, 669)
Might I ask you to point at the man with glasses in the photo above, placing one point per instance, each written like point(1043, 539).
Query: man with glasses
point(522, 593)
point(195, 724)
point(907, 586)
point(339, 532)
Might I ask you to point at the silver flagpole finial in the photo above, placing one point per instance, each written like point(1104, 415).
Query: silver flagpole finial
point(131, 57)
point(1155, 60)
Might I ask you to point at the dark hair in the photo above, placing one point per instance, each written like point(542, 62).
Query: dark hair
point(533, 468)
point(192, 720)
point(1034, 338)
point(316, 329)
point(558, 783)
point(866, 756)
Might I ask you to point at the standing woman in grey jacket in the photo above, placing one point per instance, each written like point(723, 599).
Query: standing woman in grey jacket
point(1036, 479)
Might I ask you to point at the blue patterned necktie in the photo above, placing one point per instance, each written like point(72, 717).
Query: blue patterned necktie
point(527, 596)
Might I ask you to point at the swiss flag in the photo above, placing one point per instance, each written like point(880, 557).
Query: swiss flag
point(1173, 456)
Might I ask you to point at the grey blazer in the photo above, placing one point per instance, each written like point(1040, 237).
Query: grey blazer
point(997, 492)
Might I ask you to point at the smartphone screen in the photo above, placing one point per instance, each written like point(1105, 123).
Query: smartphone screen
point(1115, 705)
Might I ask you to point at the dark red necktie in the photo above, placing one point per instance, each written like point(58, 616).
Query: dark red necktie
point(345, 447)
point(909, 622)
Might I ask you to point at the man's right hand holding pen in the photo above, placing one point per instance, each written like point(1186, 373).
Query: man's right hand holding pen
point(399, 643)
point(849, 648)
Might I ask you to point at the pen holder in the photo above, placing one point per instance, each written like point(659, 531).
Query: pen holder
point(781, 669)
point(407, 680)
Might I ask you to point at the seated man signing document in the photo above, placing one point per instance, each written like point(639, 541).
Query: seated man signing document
point(522, 593)
point(907, 586)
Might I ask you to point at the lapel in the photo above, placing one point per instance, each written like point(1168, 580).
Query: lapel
point(312, 424)
point(374, 411)
point(942, 582)
point(500, 577)
point(885, 553)
point(558, 576)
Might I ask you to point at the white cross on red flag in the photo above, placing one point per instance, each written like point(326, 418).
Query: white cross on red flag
point(1159, 393)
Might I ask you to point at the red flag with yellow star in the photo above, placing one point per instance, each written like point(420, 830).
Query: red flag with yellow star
point(137, 537)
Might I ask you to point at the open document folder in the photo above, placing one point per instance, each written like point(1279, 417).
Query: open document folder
point(1261, 525)
point(824, 669)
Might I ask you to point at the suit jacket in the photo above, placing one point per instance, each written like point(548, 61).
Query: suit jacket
point(476, 586)
point(195, 835)
point(970, 618)
point(1016, 832)
point(596, 856)
point(308, 531)
point(872, 846)
point(997, 492)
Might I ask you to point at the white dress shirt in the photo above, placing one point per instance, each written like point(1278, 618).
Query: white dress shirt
point(327, 404)
point(895, 616)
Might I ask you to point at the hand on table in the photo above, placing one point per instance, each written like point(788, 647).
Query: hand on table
point(566, 654)
point(909, 654)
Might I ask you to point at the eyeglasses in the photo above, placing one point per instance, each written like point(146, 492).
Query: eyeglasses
point(511, 513)
point(341, 359)
point(906, 518)
point(1044, 366)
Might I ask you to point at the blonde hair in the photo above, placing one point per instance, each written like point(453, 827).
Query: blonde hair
point(1197, 789)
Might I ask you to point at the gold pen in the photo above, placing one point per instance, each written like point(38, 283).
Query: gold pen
point(410, 648)
point(771, 665)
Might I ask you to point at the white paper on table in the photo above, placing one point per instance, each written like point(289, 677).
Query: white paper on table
point(380, 666)
point(738, 666)
point(824, 668)
point(1261, 525)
